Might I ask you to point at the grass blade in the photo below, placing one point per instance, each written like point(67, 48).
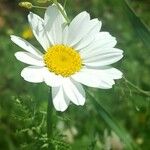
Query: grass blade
point(140, 29)
point(111, 122)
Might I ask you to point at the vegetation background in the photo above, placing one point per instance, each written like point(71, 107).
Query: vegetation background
point(116, 119)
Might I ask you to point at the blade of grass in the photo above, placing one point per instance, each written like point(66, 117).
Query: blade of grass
point(139, 27)
point(112, 123)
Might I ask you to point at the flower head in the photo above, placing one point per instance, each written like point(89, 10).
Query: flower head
point(73, 54)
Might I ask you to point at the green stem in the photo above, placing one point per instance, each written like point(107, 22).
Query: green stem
point(59, 7)
point(50, 122)
point(62, 11)
point(65, 4)
point(39, 7)
point(147, 93)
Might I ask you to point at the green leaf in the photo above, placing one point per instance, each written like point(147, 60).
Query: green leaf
point(140, 29)
point(112, 123)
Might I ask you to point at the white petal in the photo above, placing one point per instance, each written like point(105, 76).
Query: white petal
point(29, 58)
point(65, 35)
point(51, 79)
point(26, 46)
point(103, 40)
point(86, 41)
point(74, 91)
point(60, 101)
point(102, 57)
point(54, 23)
point(80, 27)
point(33, 74)
point(90, 37)
point(113, 73)
point(37, 25)
point(103, 79)
point(76, 28)
point(100, 52)
point(103, 60)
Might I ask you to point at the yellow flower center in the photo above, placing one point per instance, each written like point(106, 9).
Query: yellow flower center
point(63, 60)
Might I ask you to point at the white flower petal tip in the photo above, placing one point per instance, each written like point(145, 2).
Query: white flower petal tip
point(29, 58)
point(26, 46)
point(115, 73)
point(37, 25)
point(53, 22)
point(98, 78)
point(103, 58)
point(33, 74)
point(74, 91)
point(60, 101)
point(84, 26)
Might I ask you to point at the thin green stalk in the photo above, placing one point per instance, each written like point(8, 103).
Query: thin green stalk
point(39, 7)
point(62, 11)
point(65, 2)
point(50, 122)
point(147, 93)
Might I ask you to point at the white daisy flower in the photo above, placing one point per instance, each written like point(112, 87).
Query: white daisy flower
point(74, 54)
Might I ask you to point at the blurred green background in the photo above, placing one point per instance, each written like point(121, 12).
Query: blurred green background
point(116, 119)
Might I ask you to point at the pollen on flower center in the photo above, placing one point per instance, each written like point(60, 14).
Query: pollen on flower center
point(62, 60)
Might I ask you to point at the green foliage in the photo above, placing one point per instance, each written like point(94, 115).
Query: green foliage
point(140, 29)
point(31, 127)
point(111, 122)
point(123, 109)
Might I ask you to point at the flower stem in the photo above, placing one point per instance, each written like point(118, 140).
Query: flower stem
point(62, 11)
point(65, 3)
point(147, 93)
point(50, 122)
point(39, 7)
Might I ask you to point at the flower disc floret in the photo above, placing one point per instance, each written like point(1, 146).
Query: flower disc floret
point(63, 60)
